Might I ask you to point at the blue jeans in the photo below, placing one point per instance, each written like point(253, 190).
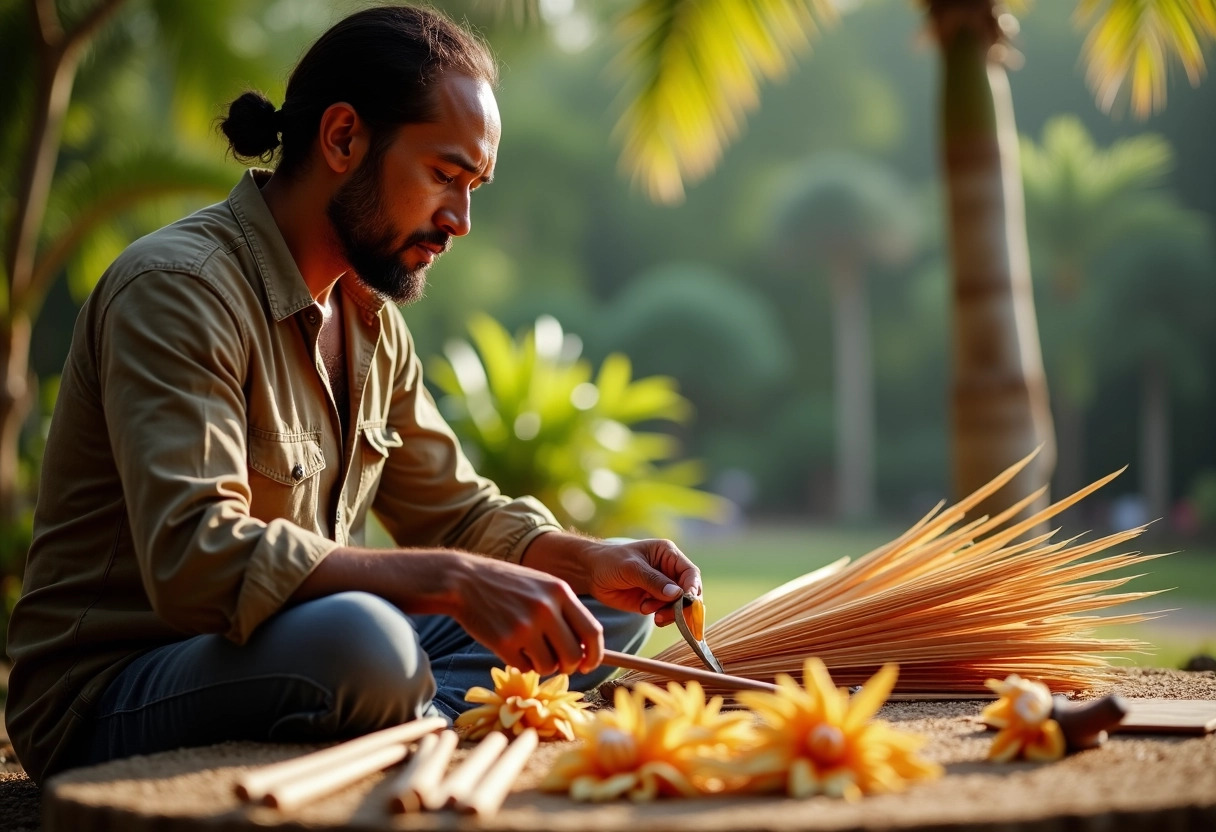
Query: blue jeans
point(335, 667)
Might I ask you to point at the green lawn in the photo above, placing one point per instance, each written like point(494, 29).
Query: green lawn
point(743, 566)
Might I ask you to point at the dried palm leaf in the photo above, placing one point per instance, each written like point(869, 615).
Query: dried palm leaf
point(954, 603)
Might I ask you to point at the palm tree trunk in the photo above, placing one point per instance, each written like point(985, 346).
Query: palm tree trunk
point(59, 52)
point(15, 401)
point(1155, 441)
point(854, 386)
point(999, 408)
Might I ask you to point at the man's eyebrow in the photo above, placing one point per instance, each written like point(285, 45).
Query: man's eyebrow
point(463, 162)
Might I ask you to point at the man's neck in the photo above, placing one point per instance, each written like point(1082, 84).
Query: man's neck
point(298, 208)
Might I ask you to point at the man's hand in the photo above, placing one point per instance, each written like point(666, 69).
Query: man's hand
point(643, 576)
point(530, 619)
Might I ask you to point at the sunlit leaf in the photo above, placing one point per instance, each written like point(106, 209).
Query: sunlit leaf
point(88, 196)
point(1131, 42)
point(693, 70)
point(526, 416)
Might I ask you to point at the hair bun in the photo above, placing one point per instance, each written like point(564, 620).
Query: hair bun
point(252, 127)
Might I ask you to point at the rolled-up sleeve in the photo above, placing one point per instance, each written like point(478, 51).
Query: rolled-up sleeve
point(173, 359)
point(429, 494)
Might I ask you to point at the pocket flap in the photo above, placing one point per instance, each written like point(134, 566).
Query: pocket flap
point(382, 438)
point(287, 460)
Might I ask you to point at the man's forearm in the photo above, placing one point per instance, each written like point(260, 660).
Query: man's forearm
point(562, 555)
point(423, 581)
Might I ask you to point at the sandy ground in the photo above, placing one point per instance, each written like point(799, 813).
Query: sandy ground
point(1133, 782)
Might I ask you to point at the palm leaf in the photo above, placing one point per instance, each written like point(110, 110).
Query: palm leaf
point(1137, 38)
point(88, 197)
point(693, 70)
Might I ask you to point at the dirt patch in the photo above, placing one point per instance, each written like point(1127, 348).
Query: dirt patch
point(1133, 782)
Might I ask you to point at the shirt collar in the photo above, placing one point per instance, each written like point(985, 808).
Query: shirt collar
point(286, 291)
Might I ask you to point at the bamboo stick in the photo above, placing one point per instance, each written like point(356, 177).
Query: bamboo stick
point(490, 793)
point(255, 785)
point(415, 787)
point(317, 783)
point(461, 782)
point(668, 670)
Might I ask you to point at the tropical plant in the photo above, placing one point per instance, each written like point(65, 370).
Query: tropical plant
point(533, 417)
point(1081, 199)
point(105, 118)
point(693, 69)
point(848, 214)
point(1160, 281)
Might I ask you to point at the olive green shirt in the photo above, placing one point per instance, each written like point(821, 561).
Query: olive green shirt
point(196, 471)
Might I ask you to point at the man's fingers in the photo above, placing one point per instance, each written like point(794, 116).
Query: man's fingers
point(655, 583)
point(589, 634)
point(565, 645)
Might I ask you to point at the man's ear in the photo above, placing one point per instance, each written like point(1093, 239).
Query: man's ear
point(342, 137)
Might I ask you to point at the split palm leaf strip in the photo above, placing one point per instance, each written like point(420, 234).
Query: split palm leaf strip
point(953, 603)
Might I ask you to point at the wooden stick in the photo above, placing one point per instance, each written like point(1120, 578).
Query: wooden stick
point(463, 780)
point(414, 788)
point(725, 681)
point(683, 674)
point(257, 784)
point(320, 782)
point(489, 795)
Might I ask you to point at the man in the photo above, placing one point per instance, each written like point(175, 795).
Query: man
point(238, 396)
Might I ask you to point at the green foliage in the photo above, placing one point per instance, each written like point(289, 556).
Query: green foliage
point(845, 206)
point(720, 337)
point(534, 418)
point(1203, 499)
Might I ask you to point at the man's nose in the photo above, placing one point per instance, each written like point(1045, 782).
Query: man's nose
point(453, 216)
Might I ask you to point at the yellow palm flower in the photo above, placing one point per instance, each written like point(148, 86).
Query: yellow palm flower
point(707, 726)
point(1023, 715)
point(816, 740)
point(639, 753)
point(519, 701)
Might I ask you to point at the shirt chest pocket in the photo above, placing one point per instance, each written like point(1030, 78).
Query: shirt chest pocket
point(284, 477)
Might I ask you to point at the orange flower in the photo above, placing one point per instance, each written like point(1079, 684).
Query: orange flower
point(520, 701)
point(816, 740)
point(674, 749)
point(1023, 715)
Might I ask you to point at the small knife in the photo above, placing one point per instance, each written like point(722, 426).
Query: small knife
point(698, 645)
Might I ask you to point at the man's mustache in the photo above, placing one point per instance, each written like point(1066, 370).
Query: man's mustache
point(436, 238)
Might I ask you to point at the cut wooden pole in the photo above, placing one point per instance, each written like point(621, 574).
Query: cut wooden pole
point(415, 787)
point(255, 785)
point(463, 780)
point(612, 658)
point(488, 796)
point(318, 783)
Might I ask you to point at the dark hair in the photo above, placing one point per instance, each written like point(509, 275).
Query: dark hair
point(382, 61)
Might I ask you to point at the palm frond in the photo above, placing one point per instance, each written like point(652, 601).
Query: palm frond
point(1132, 42)
point(87, 197)
point(694, 69)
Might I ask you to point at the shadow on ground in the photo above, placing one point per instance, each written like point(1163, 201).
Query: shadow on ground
point(20, 799)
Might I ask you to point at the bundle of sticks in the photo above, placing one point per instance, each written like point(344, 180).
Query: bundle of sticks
point(478, 784)
point(953, 603)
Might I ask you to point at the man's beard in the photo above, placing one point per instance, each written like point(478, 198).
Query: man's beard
point(368, 239)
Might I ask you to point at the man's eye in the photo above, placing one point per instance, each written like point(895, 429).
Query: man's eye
point(443, 177)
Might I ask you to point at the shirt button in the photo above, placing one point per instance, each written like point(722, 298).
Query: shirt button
point(311, 316)
point(297, 472)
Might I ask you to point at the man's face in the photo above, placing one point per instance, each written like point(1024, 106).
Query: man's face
point(401, 207)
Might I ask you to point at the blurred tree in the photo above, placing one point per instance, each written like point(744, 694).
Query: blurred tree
point(721, 338)
point(849, 213)
point(533, 418)
point(70, 191)
point(1159, 301)
point(694, 70)
point(1079, 200)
